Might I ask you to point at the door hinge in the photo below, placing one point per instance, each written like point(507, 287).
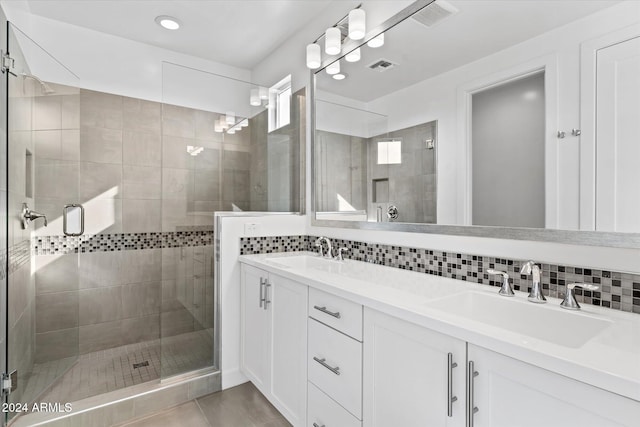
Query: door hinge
point(8, 63)
point(9, 382)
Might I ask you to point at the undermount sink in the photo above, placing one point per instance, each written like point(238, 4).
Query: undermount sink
point(307, 261)
point(569, 329)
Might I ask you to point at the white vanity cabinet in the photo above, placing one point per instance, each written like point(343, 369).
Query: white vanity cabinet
point(511, 393)
point(411, 376)
point(274, 339)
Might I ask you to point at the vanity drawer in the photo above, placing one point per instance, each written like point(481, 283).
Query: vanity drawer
point(335, 366)
point(324, 411)
point(340, 314)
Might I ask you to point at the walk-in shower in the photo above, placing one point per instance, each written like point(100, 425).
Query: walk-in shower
point(127, 296)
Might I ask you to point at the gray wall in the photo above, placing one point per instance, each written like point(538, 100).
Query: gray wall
point(508, 126)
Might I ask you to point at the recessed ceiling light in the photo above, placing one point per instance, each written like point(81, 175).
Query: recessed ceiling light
point(339, 76)
point(168, 22)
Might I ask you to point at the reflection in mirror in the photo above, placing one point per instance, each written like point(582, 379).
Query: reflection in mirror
point(501, 106)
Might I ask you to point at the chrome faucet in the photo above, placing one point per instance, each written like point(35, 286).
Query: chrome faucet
point(506, 289)
point(320, 247)
point(535, 295)
point(339, 256)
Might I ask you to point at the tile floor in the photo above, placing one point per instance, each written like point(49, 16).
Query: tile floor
point(241, 406)
point(112, 369)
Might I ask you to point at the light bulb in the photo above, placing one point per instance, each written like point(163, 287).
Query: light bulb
point(353, 56)
point(333, 68)
point(377, 41)
point(314, 57)
point(332, 39)
point(357, 24)
point(339, 76)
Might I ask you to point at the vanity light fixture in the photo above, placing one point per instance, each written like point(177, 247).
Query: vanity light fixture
point(230, 117)
point(231, 131)
point(193, 150)
point(264, 93)
point(333, 68)
point(244, 123)
point(357, 24)
point(254, 98)
point(332, 41)
point(377, 41)
point(339, 76)
point(353, 56)
point(168, 22)
point(314, 57)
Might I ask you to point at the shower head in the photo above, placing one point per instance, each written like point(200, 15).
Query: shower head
point(45, 88)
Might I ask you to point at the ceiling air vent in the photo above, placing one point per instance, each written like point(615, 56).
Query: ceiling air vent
point(434, 13)
point(381, 65)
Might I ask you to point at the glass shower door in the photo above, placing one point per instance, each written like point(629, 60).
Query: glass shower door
point(42, 281)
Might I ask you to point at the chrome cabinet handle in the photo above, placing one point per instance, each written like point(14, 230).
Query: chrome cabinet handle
point(316, 425)
point(262, 283)
point(450, 398)
point(325, 311)
point(267, 301)
point(471, 409)
point(323, 362)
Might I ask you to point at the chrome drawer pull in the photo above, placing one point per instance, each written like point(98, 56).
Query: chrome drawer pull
point(325, 311)
point(471, 408)
point(262, 283)
point(450, 397)
point(322, 361)
point(316, 425)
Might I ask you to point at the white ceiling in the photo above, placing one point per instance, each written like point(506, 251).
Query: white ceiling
point(240, 33)
point(478, 30)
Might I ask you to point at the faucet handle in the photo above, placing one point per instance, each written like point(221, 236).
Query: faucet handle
point(318, 244)
point(339, 256)
point(569, 301)
point(506, 289)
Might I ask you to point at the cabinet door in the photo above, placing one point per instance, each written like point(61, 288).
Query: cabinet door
point(255, 327)
point(405, 375)
point(510, 393)
point(287, 305)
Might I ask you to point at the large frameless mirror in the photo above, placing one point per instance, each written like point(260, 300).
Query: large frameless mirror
point(498, 119)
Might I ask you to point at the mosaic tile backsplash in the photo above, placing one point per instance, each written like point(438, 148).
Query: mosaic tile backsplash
point(59, 245)
point(619, 291)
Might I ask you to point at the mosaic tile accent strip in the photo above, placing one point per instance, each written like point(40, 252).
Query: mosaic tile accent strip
point(273, 244)
point(54, 245)
point(618, 291)
point(19, 255)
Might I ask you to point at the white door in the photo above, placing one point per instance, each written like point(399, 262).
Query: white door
point(288, 312)
point(405, 375)
point(254, 327)
point(617, 137)
point(510, 393)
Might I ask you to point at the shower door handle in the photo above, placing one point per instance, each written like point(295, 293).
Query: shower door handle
point(73, 220)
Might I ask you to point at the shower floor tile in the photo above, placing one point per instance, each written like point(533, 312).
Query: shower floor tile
point(112, 369)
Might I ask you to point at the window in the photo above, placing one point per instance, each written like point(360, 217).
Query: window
point(390, 152)
point(280, 104)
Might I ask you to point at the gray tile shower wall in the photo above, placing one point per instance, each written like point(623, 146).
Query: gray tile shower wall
point(618, 290)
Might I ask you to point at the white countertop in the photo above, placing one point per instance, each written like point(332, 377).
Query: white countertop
point(610, 360)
